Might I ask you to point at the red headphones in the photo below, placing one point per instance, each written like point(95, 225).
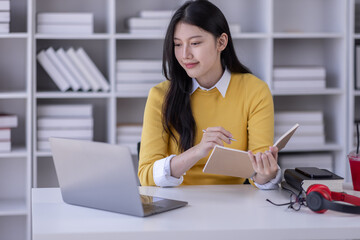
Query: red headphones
point(319, 198)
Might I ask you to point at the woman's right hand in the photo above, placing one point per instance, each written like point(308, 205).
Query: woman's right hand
point(211, 137)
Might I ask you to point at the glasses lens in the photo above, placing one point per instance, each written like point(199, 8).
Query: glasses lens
point(295, 204)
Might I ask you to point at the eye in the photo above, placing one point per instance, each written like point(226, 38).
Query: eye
point(177, 44)
point(195, 43)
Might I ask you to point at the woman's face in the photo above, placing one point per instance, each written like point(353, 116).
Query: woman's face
point(197, 51)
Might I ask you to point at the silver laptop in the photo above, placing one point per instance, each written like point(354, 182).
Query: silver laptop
point(100, 175)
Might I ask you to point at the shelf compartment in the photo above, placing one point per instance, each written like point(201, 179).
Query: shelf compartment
point(46, 174)
point(308, 16)
point(14, 227)
point(13, 79)
point(65, 95)
point(97, 50)
point(14, 178)
point(94, 36)
point(329, 53)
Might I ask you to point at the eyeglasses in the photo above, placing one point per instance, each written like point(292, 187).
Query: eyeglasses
point(296, 201)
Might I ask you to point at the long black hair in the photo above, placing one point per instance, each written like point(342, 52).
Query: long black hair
point(177, 113)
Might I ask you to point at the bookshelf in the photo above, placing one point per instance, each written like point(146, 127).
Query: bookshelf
point(273, 32)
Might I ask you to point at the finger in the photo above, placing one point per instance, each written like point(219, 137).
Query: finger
point(219, 135)
point(215, 140)
point(253, 160)
point(259, 161)
point(266, 163)
point(275, 151)
point(220, 129)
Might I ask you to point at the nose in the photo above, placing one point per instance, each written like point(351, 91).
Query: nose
point(186, 52)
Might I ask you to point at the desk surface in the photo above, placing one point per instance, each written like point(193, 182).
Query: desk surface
point(213, 212)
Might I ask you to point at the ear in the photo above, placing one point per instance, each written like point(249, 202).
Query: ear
point(222, 42)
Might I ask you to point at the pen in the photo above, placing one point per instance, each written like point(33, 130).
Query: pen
point(232, 139)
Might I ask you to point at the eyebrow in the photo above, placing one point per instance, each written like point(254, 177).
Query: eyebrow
point(196, 36)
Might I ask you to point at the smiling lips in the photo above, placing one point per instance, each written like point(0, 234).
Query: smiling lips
point(190, 65)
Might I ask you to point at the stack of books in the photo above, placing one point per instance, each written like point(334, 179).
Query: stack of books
point(60, 23)
point(4, 16)
point(320, 160)
point(299, 77)
point(136, 77)
point(311, 131)
point(63, 120)
point(150, 22)
point(72, 69)
point(7, 121)
point(129, 135)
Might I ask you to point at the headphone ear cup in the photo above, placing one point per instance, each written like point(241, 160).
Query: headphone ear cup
point(314, 201)
point(322, 187)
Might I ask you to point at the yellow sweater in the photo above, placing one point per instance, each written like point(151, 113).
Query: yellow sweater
point(247, 111)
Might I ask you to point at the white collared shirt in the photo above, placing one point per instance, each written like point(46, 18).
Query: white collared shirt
point(161, 169)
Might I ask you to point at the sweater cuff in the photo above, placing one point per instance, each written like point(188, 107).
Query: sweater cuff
point(272, 184)
point(162, 173)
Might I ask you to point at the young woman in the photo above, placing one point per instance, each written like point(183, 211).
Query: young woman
point(209, 97)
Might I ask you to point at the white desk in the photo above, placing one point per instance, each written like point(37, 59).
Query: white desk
point(213, 212)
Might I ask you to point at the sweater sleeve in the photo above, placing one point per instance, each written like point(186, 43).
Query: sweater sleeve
point(154, 139)
point(260, 117)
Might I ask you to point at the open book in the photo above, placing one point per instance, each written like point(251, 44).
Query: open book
point(236, 163)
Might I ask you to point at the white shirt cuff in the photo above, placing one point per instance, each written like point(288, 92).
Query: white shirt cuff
point(272, 184)
point(162, 173)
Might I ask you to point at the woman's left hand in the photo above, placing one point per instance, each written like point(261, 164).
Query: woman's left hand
point(265, 165)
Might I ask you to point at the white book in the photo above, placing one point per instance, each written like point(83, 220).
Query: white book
point(94, 71)
point(300, 84)
point(128, 139)
point(84, 85)
point(150, 31)
point(95, 86)
point(4, 17)
point(5, 5)
point(302, 117)
point(152, 77)
point(357, 70)
point(129, 129)
point(4, 27)
point(65, 123)
point(297, 141)
point(8, 120)
point(86, 134)
point(5, 146)
point(52, 71)
point(43, 145)
point(143, 88)
point(304, 129)
point(156, 14)
point(65, 18)
point(5, 134)
point(65, 28)
point(299, 71)
point(139, 65)
point(135, 22)
point(62, 69)
point(64, 110)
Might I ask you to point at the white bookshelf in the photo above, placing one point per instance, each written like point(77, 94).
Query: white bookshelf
point(273, 32)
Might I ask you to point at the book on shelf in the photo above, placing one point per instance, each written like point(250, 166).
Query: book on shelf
point(65, 28)
point(52, 71)
point(5, 5)
point(5, 146)
point(306, 129)
point(357, 67)
point(5, 134)
point(139, 65)
point(62, 69)
point(153, 77)
point(299, 72)
point(299, 84)
point(301, 182)
point(4, 17)
point(303, 117)
point(306, 140)
point(131, 87)
point(45, 134)
point(8, 120)
point(95, 86)
point(156, 14)
point(65, 123)
point(84, 85)
point(236, 163)
point(65, 18)
point(148, 23)
point(94, 71)
point(147, 31)
point(43, 145)
point(4, 27)
point(64, 110)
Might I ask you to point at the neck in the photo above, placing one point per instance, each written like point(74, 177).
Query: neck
point(211, 78)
